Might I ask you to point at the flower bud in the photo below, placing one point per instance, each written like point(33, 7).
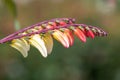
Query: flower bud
point(80, 34)
point(70, 36)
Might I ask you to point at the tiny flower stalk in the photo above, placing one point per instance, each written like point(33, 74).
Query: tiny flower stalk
point(41, 35)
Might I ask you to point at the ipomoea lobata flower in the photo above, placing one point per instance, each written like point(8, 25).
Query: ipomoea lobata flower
point(21, 45)
point(61, 37)
point(41, 35)
point(48, 42)
point(69, 35)
point(38, 43)
point(80, 34)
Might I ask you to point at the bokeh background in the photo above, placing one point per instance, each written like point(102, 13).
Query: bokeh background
point(97, 59)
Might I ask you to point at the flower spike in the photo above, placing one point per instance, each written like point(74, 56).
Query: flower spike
point(41, 35)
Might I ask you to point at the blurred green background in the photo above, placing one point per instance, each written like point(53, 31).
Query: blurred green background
point(97, 59)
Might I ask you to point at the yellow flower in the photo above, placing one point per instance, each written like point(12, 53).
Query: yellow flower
point(48, 42)
point(43, 43)
point(21, 45)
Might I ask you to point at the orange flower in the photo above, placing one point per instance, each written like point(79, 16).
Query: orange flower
point(69, 34)
point(61, 37)
point(80, 34)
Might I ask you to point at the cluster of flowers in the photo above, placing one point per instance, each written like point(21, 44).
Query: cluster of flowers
point(41, 35)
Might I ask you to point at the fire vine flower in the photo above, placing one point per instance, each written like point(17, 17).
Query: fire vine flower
point(41, 35)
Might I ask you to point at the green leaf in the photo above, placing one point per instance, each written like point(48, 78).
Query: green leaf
point(11, 6)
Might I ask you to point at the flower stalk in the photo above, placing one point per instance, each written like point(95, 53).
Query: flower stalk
point(41, 35)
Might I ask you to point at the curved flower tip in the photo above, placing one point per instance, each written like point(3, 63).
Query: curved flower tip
point(21, 45)
point(69, 34)
point(48, 42)
point(87, 31)
point(80, 34)
point(90, 34)
point(61, 37)
point(37, 42)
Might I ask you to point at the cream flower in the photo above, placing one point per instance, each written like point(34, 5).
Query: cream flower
point(38, 43)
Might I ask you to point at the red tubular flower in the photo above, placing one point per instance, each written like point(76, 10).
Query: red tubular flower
point(80, 34)
point(89, 33)
point(41, 35)
point(92, 33)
